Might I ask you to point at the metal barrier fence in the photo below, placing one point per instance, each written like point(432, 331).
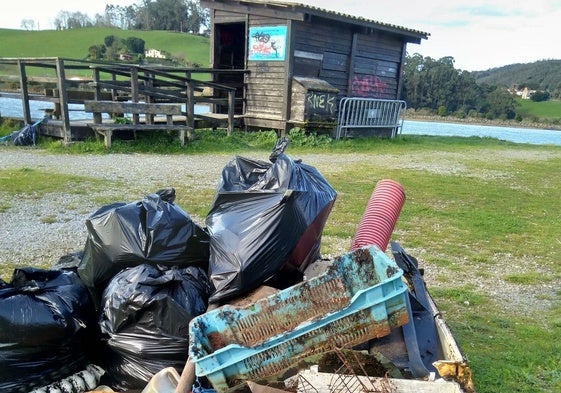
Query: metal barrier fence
point(370, 113)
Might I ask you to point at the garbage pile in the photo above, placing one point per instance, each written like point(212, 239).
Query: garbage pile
point(147, 270)
point(245, 300)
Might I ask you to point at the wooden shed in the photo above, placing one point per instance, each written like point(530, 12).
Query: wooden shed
point(300, 60)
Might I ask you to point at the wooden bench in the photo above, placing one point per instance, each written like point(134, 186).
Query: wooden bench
point(149, 110)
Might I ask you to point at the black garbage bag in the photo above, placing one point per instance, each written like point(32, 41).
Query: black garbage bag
point(266, 219)
point(153, 230)
point(145, 318)
point(48, 327)
point(26, 136)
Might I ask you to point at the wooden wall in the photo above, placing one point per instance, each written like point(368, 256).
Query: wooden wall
point(361, 65)
point(323, 51)
point(266, 84)
point(376, 66)
point(344, 55)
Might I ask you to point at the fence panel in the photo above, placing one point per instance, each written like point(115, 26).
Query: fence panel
point(370, 113)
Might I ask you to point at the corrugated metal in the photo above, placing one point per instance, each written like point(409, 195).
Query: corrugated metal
point(299, 7)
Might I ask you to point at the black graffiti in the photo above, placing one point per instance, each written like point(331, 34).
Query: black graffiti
point(261, 37)
point(262, 68)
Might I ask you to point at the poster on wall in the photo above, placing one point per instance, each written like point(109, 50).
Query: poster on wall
point(267, 43)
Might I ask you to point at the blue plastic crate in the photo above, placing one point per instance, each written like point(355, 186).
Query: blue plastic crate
point(360, 297)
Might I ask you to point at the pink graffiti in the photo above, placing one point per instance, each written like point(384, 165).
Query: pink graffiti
point(368, 86)
point(261, 48)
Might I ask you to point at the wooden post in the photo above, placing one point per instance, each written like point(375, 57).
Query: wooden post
point(351, 70)
point(97, 88)
point(24, 92)
point(149, 82)
point(190, 104)
point(114, 95)
point(231, 108)
point(134, 92)
point(287, 94)
point(63, 100)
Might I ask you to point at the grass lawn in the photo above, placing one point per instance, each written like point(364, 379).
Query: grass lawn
point(547, 110)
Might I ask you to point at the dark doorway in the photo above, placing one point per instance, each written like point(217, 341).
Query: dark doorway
point(230, 46)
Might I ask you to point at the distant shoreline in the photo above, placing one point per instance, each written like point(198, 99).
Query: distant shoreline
point(483, 122)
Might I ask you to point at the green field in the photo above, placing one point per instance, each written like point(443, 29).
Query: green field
point(545, 110)
point(74, 44)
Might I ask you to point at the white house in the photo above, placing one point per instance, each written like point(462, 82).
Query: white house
point(154, 53)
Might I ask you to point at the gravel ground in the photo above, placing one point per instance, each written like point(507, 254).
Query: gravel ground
point(26, 239)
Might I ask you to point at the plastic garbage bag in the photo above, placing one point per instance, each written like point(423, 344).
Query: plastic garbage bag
point(266, 218)
point(47, 327)
point(153, 230)
point(26, 136)
point(145, 318)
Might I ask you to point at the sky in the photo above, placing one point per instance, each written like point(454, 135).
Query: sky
point(478, 34)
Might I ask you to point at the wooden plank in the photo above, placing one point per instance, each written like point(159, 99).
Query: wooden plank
point(63, 107)
point(323, 382)
point(335, 61)
point(133, 107)
point(107, 130)
point(221, 16)
point(319, 38)
point(306, 67)
point(287, 77)
point(24, 92)
point(264, 122)
point(265, 10)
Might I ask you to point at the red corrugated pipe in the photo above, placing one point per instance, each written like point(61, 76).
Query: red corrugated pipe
point(381, 214)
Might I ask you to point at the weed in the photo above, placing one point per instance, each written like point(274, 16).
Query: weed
point(50, 219)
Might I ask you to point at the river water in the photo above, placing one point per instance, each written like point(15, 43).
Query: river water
point(11, 107)
point(511, 134)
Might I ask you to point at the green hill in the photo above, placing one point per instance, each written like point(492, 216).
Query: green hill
point(74, 43)
point(539, 75)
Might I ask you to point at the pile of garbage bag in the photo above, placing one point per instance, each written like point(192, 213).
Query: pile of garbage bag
point(144, 320)
point(47, 328)
point(266, 220)
point(124, 302)
point(153, 230)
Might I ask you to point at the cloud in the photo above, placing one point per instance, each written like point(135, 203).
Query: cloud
point(476, 33)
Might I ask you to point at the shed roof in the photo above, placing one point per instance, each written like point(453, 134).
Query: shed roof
point(303, 12)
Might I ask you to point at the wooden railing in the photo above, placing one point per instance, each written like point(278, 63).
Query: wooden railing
point(65, 81)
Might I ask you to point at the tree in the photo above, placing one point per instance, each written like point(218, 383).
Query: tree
point(437, 85)
point(27, 24)
point(197, 18)
point(539, 96)
point(501, 104)
point(66, 20)
point(430, 83)
point(135, 45)
point(174, 15)
point(96, 52)
point(110, 40)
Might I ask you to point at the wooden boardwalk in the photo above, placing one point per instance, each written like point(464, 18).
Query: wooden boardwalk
point(64, 81)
